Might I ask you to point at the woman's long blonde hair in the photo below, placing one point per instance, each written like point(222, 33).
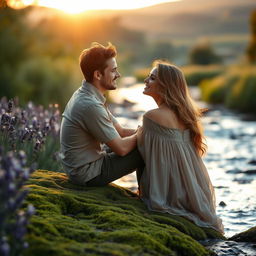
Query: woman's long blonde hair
point(174, 91)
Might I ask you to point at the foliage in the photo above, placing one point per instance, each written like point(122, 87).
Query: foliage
point(141, 74)
point(195, 74)
point(33, 129)
point(163, 50)
point(236, 89)
point(203, 54)
point(39, 62)
point(15, 40)
point(251, 49)
point(110, 220)
point(13, 220)
point(46, 80)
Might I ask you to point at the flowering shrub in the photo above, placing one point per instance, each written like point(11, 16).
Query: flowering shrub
point(33, 129)
point(29, 137)
point(13, 220)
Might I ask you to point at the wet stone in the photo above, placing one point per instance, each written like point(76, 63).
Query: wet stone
point(243, 181)
point(213, 122)
point(253, 162)
point(234, 171)
point(250, 172)
point(223, 204)
point(233, 137)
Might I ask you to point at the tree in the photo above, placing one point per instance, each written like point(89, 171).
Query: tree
point(162, 50)
point(15, 41)
point(203, 54)
point(251, 49)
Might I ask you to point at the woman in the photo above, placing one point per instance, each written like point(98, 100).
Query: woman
point(175, 179)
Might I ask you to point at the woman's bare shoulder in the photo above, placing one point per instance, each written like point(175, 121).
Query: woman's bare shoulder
point(165, 118)
point(156, 115)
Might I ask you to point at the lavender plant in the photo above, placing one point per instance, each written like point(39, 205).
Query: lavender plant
point(34, 130)
point(27, 135)
point(13, 220)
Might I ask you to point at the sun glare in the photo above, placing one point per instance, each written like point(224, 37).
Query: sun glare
point(78, 6)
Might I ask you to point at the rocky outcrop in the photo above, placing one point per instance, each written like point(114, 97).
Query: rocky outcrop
point(246, 236)
point(75, 220)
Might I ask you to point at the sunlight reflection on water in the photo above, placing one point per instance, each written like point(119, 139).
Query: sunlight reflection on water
point(231, 145)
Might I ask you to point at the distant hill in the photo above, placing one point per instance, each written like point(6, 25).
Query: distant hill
point(188, 18)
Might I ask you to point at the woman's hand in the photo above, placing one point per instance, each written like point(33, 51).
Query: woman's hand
point(139, 133)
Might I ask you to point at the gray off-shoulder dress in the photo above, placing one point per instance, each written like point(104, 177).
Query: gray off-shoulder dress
point(175, 179)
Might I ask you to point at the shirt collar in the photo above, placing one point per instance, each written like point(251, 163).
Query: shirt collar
point(87, 87)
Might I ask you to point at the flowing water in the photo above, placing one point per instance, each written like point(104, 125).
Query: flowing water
point(231, 158)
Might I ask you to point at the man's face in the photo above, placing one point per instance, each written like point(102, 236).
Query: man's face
point(108, 79)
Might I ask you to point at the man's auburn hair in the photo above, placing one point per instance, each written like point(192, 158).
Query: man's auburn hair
point(95, 58)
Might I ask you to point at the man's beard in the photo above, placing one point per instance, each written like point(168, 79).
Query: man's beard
point(110, 86)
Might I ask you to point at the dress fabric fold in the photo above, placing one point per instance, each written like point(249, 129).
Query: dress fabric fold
point(175, 179)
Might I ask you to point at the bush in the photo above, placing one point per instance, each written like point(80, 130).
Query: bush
point(236, 89)
point(243, 94)
point(34, 130)
point(13, 219)
point(141, 74)
point(214, 91)
point(45, 80)
point(251, 49)
point(196, 74)
point(204, 54)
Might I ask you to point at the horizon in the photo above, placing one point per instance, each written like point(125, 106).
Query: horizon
point(79, 6)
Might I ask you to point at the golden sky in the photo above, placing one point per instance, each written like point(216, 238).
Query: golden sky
point(77, 6)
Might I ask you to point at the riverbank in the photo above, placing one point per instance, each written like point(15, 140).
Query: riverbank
point(73, 220)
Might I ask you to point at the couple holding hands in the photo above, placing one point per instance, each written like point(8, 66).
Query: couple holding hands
point(165, 151)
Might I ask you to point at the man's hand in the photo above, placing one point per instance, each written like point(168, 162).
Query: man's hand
point(124, 132)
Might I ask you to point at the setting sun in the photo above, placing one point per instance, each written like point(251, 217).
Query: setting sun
point(78, 6)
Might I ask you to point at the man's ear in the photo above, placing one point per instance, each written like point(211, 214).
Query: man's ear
point(97, 75)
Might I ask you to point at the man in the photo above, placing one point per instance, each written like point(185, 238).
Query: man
point(87, 124)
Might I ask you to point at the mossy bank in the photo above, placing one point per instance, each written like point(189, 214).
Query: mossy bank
point(111, 220)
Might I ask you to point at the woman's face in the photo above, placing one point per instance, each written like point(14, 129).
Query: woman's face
point(152, 85)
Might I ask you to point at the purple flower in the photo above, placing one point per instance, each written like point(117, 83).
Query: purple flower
point(4, 246)
point(31, 210)
point(14, 120)
point(10, 106)
point(13, 221)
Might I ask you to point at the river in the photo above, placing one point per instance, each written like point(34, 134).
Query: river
point(231, 157)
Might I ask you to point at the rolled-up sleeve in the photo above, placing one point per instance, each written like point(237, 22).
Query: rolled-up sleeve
point(99, 123)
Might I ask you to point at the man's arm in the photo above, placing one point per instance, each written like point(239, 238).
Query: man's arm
point(124, 132)
point(122, 146)
point(97, 121)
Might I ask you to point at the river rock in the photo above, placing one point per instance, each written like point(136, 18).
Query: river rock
point(253, 162)
point(111, 220)
point(250, 172)
point(223, 204)
point(246, 236)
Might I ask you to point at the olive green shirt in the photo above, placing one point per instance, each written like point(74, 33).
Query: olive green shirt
point(86, 124)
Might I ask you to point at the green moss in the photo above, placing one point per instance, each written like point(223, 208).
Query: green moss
point(111, 220)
